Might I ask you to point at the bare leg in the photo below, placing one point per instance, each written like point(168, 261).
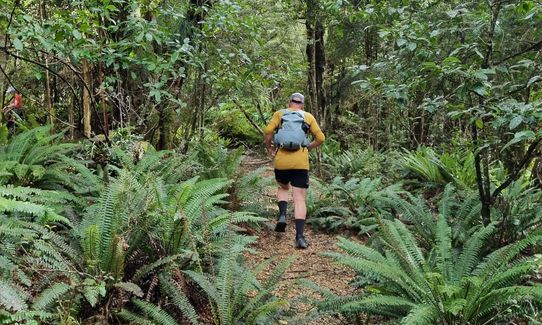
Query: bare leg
point(282, 192)
point(300, 207)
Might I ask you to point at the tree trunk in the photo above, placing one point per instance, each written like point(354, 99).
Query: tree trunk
point(316, 60)
point(71, 106)
point(87, 100)
point(104, 103)
point(47, 82)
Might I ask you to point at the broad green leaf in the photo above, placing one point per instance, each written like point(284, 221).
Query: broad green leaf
point(76, 34)
point(533, 80)
point(18, 44)
point(520, 136)
point(515, 122)
point(479, 89)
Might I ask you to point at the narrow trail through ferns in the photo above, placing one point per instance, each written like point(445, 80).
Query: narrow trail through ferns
point(308, 265)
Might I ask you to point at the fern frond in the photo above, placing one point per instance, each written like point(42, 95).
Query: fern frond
point(130, 287)
point(133, 318)
point(381, 272)
point(10, 297)
point(91, 245)
point(513, 274)
point(204, 283)
point(159, 316)
point(443, 237)
point(421, 314)
point(470, 254)
point(50, 296)
point(148, 268)
point(503, 297)
point(180, 300)
point(264, 311)
point(494, 262)
point(388, 305)
point(220, 222)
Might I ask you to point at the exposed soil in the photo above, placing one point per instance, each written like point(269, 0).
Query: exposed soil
point(309, 264)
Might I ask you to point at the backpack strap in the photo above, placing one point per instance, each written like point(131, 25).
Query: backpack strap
point(286, 111)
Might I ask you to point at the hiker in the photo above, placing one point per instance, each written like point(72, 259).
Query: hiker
point(14, 108)
point(286, 140)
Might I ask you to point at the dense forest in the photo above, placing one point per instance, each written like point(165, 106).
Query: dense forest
point(135, 187)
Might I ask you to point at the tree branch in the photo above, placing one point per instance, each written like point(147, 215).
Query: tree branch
point(529, 155)
point(248, 117)
point(535, 46)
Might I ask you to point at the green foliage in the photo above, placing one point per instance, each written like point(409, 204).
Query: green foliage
point(518, 209)
point(438, 170)
point(38, 159)
point(353, 203)
point(235, 295)
point(228, 288)
point(449, 284)
point(218, 161)
point(462, 212)
point(354, 163)
point(250, 192)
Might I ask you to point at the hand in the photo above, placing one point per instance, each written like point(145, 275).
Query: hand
point(271, 151)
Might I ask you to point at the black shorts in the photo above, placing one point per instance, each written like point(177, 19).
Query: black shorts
point(295, 177)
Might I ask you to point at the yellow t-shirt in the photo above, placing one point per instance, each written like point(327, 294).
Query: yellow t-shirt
point(298, 159)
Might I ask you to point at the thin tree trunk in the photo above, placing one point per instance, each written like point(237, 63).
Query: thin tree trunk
point(87, 101)
point(43, 16)
point(104, 103)
point(71, 106)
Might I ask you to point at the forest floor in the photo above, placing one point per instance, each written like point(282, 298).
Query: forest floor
point(309, 264)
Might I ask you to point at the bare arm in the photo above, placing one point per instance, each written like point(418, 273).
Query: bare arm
point(317, 133)
point(269, 131)
point(267, 138)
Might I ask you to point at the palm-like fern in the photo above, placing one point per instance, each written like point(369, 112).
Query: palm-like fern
point(442, 285)
point(351, 203)
point(354, 163)
point(456, 168)
point(37, 158)
point(227, 291)
point(463, 216)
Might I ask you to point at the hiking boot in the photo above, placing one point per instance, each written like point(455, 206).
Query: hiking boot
point(281, 223)
point(301, 242)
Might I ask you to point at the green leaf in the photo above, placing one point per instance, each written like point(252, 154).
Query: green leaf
point(130, 287)
point(76, 34)
point(479, 123)
point(479, 89)
point(515, 122)
point(18, 44)
point(520, 136)
point(533, 80)
point(401, 42)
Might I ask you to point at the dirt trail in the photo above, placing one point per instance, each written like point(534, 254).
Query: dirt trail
point(309, 264)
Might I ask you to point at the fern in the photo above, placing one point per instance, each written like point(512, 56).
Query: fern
point(169, 287)
point(50, 296)
point(421, 314)
point(433, 286)
point(158, 315)
point(134, 318)
point(148, 268)
point(10, 297)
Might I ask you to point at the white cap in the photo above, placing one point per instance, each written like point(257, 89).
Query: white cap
point(297, 97)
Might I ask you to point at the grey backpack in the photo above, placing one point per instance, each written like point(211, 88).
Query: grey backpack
point(292, 132)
